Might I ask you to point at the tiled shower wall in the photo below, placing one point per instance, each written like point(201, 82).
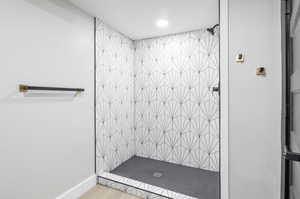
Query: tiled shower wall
point(176, 115)
point(114, 97)
point(154, 99)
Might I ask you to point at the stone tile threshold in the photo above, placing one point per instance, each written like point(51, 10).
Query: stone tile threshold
point(138, 188)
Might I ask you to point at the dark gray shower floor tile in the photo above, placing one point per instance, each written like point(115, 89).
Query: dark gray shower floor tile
point(194, 182)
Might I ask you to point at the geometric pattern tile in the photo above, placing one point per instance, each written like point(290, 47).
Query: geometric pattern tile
point(137, 188)
point(154, 99)
point(177, 114)
point(114, 98)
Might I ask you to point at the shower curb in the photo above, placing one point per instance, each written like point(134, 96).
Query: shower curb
point(138, 188)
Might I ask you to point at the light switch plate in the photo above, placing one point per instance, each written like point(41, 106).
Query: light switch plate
point(240, 58)
point(261, 71)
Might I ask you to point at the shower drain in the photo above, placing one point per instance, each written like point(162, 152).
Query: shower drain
point(157, 174)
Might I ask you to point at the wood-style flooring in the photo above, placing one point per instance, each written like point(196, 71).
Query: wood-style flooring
point(101, 192)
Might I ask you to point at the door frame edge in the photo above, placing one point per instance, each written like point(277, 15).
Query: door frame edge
point(224, 98)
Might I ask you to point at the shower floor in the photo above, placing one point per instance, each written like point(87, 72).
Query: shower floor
point(193, 182)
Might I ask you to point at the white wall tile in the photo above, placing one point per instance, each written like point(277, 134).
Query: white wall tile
point(155, 100)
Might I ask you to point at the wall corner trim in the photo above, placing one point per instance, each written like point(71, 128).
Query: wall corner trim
point(224, 98)
point(79, 189)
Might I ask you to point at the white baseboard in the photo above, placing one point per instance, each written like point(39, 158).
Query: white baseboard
point(78, 190)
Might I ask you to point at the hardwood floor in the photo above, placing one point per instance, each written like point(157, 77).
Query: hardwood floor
point(101, 192)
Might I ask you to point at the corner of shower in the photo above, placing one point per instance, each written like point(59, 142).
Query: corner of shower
point(157, 119)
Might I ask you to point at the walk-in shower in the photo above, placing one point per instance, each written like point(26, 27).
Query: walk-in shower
point(157, 117)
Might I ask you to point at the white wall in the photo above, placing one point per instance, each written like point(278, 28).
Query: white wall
point(46, 141)
point(254, 102)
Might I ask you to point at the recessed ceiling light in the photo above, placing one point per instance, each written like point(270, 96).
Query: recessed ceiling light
point(162, 23)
